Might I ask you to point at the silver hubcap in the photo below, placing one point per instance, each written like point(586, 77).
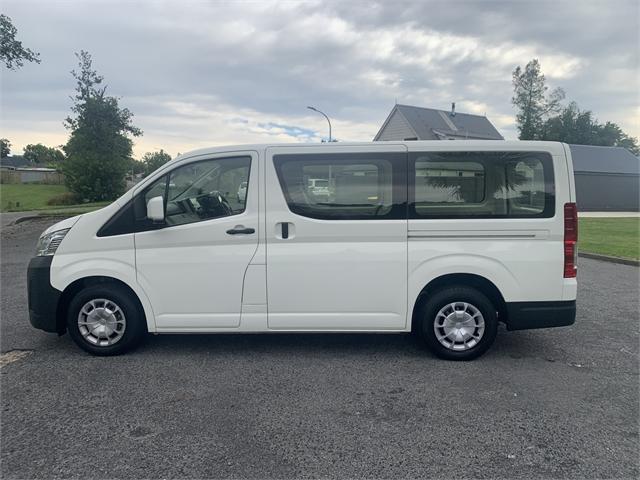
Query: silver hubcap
point(101, 322)
point(459, 326)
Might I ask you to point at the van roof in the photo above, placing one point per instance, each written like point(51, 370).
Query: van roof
point(440, 144)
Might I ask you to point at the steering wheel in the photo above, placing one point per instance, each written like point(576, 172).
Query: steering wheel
point(225, 203)
point(213, 204)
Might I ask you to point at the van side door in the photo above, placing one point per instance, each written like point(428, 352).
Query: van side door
point(336, 232)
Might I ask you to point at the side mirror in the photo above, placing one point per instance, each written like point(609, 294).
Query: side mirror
point(155, 209)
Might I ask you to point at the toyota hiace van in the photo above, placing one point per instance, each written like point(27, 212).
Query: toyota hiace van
point(445, 239)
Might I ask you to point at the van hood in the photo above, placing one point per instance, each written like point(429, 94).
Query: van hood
point(62, 224)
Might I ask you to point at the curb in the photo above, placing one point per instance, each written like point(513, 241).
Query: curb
point(34, 217)
point(24, 219)
point(610, 259)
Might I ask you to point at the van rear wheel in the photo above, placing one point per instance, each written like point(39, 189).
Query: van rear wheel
point(104, 319)
point(458, 323)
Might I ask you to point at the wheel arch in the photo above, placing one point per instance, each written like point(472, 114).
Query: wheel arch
point(480, 283)
point(81, 283)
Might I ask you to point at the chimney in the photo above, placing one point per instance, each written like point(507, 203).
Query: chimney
point(453, 109)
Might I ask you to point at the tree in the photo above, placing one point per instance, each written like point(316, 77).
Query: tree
point(611, 134)
point(12, 53)
point(576, 126)
point(531, 99)
point(42, 154)
point(136, 166)
point(99, 149)
point(154, 160)
point(5, 147)
point(571, 126)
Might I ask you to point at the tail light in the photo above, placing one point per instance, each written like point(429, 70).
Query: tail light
point(570, 240)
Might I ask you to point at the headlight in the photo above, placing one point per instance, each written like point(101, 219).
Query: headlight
point(49, 243)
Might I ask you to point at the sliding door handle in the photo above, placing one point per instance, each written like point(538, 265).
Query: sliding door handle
point(285, 231)
point(239, 229)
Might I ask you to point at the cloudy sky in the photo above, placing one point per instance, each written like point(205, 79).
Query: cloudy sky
point(199, 73)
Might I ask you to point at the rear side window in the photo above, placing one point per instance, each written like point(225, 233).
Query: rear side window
point(481, 185)
point(344, 186)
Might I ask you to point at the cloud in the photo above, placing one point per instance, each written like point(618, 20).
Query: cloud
point(200, 73)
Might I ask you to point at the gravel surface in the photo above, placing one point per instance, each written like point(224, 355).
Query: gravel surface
point(557, 403)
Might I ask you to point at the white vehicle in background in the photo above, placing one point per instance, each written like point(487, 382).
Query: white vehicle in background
point(319, 187)
point(445, 239)
point(242, 192)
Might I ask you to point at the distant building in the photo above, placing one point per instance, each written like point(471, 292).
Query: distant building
point(417, 123)
point(16, 169)
point(12, 162)
point(607, 178)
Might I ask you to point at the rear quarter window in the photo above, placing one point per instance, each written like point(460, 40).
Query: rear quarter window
point(481, 185)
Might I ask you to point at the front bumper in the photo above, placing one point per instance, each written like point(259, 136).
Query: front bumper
point(527, 315)
point(43, 298)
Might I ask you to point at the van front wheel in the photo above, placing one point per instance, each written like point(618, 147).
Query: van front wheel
point(104, 320)
point(458, 323)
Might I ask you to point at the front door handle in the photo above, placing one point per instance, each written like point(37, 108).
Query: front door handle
point(239, 229)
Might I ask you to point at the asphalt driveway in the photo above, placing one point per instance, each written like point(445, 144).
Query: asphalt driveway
point(558, 403)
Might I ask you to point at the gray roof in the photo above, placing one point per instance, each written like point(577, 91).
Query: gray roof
point(590, 158)
point(427, 121)
point(14, 161)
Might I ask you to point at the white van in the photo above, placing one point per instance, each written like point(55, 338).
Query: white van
point(441, 238)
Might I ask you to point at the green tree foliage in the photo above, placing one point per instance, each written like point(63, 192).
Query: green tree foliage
point(136, 166)
point(573, 125)
point(99, 148)
point(42, 154)
point(12, 53)
point(531, 99)
point(5, 147)
point(154, 160)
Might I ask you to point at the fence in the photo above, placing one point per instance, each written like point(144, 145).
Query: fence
point(31, 176)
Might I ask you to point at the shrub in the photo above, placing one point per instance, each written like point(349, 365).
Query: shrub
point(66, 198)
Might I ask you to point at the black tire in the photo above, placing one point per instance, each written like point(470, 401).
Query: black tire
point(428, 315)
point(135, 327)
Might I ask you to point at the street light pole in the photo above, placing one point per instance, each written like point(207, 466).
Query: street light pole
point(325, 116)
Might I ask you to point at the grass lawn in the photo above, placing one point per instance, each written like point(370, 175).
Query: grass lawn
point(27, 197)
point(610, 236)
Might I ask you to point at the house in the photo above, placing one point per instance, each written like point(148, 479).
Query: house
point(406, 122)
point(13, 162)
point(607, 178)
point(16, 169)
